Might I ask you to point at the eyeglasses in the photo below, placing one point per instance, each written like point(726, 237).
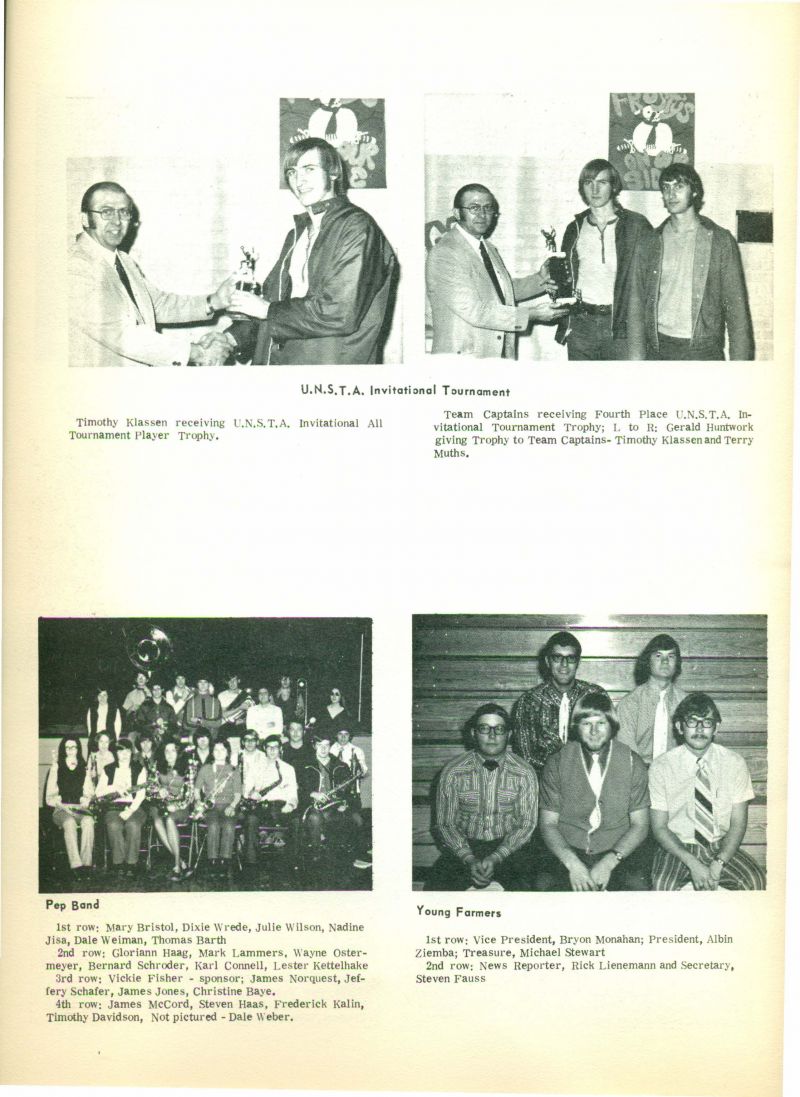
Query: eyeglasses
point(108, 213)
point(475, 209)
point(565, 660)
point(693, 721)
point(483, 730)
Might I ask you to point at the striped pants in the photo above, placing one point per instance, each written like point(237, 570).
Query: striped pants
point(741, 873)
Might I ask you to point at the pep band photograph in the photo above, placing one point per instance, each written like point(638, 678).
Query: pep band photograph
point(326, 295)
point(622, 753)
point(600, 230)
point(197, 754)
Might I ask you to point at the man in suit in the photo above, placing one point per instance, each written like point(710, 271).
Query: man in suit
point(696, 289)
point(115, 313)
point(328, 300)
point(473, 297)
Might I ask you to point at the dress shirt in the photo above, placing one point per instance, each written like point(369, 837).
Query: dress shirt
point(346, 754)
point(637, 717)
point(298, 265)
point(124, 785)
point(287, 789)
point(478, 803)
point(264, 720)
point(597, 258)
point(219, 783)
point(254, 771)
point(672, 778)
point(536, 719)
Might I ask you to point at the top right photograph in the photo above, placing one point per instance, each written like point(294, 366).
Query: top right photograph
point(634, 227)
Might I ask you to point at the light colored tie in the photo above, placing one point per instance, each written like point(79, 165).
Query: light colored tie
point(596, 781)
point(703, 806)
point(563, 718)
point(661, 726)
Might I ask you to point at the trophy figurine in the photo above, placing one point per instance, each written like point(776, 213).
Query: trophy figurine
point(559, 270)
point(246, 275)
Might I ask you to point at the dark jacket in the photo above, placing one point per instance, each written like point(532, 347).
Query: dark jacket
point(632, 233)
point(309, 779)
point(345, 316)
point(719, 293)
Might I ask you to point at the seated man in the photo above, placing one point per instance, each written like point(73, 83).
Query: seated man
point(325, 797)
point(269, 790)
point(122, 786)
point(594, 813)
point(298, 751)
point(485, 812)
point(699, 794)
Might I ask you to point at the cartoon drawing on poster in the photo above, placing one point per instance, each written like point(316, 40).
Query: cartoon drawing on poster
point(356, 127)
point(647, 132)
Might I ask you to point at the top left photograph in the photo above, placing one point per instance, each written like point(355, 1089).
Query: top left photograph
point(284, 257)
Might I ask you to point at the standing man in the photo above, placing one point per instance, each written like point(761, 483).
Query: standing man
point(156, 716)
point(542, 715)
point(473, 297)
point(604, 246)
point(646, 713)
point(696, 289)
point(114, 310)
point(594, 814)
point(486, 803)
point(264, 718)
point(203, 710)
point(329, 298)
point(234, 703)
point(699, 794)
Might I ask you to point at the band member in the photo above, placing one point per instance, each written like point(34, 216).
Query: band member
point(146, 751)
point(235, 702)
point(264, 718)
point(157, 715)
point(101, 755)
point(219, 789)
point(270, 788)
point(202, 747)
point(68, 792)
point(325, 796)
point(134, 700)
point(335, 715)
point(202, 709)
point(104, 715)
point(486, 804)
point(353, 757)
point(605, 247)
point(123, 784)
point(699, 795)
point(290, 704)
point(179, 694)
point(594, 813)
point(473, 297)
point(542, 715)
point(329, 298)
point(696, 289)
point(298, 751)
point(646, 713)
point(170, 804)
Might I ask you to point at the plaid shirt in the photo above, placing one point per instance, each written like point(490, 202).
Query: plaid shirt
point(486, 804)
point(535, 736)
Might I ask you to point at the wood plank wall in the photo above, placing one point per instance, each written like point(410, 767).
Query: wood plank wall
point(463, 661)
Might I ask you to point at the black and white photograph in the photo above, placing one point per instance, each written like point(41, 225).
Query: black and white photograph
point(600, 227)
point(210, 261)
point(205, 754)
point(619, 753)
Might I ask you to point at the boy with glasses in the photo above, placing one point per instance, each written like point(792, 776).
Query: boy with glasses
point(699, 795)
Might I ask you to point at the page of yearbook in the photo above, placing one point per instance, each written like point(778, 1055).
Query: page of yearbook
point(331, 761)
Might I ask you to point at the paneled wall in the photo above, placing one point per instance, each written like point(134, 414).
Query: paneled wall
point(461, 662)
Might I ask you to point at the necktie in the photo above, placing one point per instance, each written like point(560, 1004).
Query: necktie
point(487, 262)
point(563, 718)
point(490, 765)
point(596, 781)
point(703, 806)
point(312, 235)
point(661, 726)
point(123, 277)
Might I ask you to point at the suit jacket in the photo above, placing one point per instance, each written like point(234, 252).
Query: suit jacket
point(719, 293)
point(468, 316)
point(107, 329)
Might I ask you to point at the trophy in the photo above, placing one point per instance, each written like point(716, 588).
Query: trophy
point(246, 275)
point(559, 270)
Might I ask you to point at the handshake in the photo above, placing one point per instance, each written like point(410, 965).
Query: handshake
point(214, 349)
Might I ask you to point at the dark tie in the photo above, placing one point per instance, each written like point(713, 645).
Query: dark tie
point(487, 262)
point(123, 277)
point(703, 806)
point(490, 765)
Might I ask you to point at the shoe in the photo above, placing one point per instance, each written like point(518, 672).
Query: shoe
point(361, 863)
point(176, 876)
point(187, 872)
